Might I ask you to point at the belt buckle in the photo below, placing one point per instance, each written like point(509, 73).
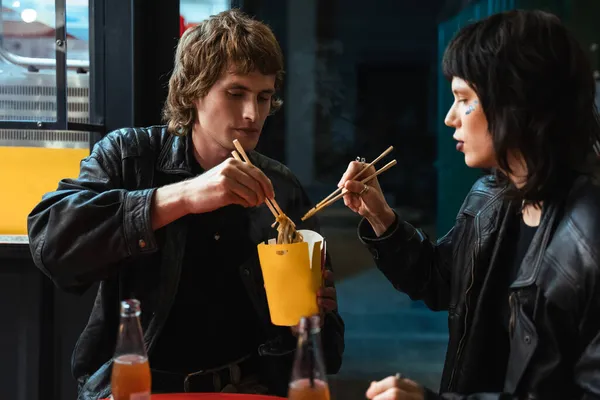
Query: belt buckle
point(186, 383)
point(216, 380)
point(186, 380)
point(235, 375)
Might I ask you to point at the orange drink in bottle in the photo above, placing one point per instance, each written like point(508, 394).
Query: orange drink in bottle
point(309, 381)
point(131, 379)
point(303, 390)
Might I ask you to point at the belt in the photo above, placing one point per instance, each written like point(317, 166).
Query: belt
point(208, 380)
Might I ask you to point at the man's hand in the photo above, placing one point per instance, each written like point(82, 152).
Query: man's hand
point(231, 182)
point(395, 388)
point(327, 296)
point(326, 299)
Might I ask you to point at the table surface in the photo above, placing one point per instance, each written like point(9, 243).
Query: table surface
point(212, 396)
point(14, 239)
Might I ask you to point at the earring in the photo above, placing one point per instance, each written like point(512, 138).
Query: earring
point(180, 130)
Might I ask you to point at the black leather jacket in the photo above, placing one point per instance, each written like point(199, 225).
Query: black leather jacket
point(554, 301)
point(97, 228)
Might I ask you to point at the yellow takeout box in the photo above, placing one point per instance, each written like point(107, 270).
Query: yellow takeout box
point(292, 274)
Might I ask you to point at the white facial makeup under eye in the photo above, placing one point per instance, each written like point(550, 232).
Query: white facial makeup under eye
point(471, 107)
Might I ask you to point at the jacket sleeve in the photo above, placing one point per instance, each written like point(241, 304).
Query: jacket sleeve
point(586, 369)
point(429, 395)
point(587, 366)
point(487, 396)
point(332, 334)
point(81, 232)
point(411, 262)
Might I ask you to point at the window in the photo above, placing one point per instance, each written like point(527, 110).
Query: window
point(195, 11)
point(44, 70)
point(44, 101)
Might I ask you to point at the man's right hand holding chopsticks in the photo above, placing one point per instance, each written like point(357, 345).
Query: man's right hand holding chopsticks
point(231, 182)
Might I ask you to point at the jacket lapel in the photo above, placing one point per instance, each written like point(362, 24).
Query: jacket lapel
point(532, 261)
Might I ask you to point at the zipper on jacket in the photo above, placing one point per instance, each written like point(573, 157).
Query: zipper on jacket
point(462, 339)
point(512, 303)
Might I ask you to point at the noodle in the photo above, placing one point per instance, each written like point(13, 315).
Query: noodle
point(287, 228)
point(287, 231)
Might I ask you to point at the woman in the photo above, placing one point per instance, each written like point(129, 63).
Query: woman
point(519, 272)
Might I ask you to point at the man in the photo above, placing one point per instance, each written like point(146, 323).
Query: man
point(164, 214)
point(519, 273)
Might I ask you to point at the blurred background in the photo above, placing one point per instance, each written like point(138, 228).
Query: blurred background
point(360, 76)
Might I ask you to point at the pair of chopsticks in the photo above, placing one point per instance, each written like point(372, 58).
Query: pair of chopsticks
point(336, 195)
point(272, 204)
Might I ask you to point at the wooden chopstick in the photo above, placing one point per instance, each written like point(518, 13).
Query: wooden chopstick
point(271, 203)
point(355, 177)
point(339, 196)
point(236, 155)
point(267, 202)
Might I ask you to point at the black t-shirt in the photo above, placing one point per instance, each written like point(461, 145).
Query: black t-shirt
point(519, 238)
point(212, 321)
point(513, 248)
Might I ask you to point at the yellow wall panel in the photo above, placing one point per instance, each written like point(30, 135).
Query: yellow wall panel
point(26, 173)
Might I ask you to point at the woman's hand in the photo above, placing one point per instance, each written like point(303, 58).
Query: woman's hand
point(395, 388)
point(367, 199)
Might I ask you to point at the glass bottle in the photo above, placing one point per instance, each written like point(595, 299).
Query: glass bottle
point(130, 378)
point(309, 380)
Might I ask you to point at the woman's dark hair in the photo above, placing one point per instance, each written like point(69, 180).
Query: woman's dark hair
point(537, 90)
